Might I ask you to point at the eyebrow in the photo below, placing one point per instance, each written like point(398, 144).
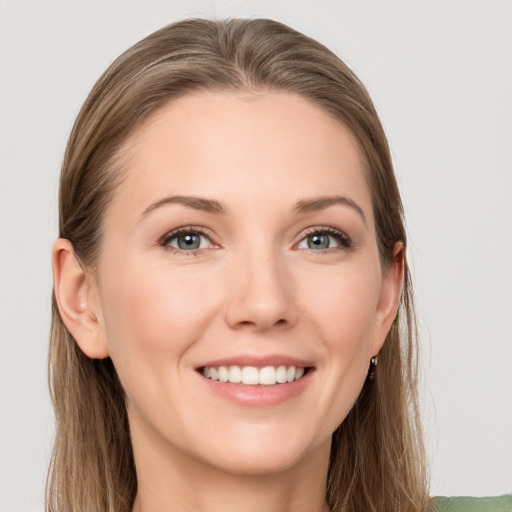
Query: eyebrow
point(320, 203)
point(213, 206)
point(198, 203)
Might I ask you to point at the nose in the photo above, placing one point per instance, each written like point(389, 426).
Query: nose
point(261, 294)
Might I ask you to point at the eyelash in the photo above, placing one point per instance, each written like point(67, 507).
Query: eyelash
point(185, 230)
point(344, 240)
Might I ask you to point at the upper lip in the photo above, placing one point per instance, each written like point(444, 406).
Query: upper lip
point(260, 361)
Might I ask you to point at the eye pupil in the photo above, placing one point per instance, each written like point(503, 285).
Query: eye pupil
point(318, 241)
point(189, 241)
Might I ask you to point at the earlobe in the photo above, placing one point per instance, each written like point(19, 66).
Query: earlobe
point(78, 301)
point(389, 300)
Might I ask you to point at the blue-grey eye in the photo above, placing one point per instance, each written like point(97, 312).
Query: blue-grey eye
point(188, 241)
point(319, 241)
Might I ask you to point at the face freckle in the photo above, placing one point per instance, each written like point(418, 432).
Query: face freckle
point(208, 256)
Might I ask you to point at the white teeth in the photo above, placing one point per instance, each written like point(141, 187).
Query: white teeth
point(223, 374)
point(281, 374)
point(235, 374)
point(252, 376)
point(267, 376)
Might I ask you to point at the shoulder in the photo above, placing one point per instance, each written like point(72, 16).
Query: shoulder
point(468, 504)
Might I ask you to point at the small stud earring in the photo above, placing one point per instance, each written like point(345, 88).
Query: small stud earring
point(371, 369)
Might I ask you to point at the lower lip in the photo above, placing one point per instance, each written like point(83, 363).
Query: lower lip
point(258, 396)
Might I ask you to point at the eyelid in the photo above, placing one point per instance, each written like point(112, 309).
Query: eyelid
point(182, 230)
point(344, 240)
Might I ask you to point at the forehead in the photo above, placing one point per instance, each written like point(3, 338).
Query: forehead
point(248, 147)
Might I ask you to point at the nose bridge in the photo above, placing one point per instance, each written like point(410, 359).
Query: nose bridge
point(261, 288)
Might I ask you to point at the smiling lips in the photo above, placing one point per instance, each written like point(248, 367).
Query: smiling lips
point(252, 375)
point(257, 381)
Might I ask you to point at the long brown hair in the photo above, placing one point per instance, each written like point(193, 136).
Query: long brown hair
point(377, 456)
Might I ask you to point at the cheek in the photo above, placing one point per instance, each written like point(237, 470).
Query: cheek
point(343, 307)
point(152, 319)
point(342, 311)
point(154, 315)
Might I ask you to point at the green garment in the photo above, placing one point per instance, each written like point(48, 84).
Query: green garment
point(467, 504)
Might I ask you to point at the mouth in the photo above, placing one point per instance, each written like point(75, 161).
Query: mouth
point(256, 381)
point(254, 375)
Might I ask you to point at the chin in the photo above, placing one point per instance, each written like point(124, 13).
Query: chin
point(253, 464)
point(263, 453)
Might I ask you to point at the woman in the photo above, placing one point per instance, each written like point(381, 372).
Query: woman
point(231, 266)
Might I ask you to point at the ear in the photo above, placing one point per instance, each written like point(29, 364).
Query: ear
point(391, 291)
point(78, 300)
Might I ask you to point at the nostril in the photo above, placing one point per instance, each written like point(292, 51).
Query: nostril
point(246, 323)
point(252, 323)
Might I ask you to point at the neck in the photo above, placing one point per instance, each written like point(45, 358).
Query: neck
point(170, 480)
point(230, 494)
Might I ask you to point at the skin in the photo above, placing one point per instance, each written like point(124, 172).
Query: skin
point(256, 286)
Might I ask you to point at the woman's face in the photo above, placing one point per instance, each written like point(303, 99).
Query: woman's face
point(241, 245)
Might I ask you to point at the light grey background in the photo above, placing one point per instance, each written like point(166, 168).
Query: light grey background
point(441, 76)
